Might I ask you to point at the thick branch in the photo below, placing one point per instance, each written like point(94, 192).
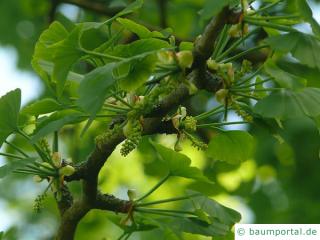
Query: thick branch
point(111, 203)
point(163, 12)
point(152, 124)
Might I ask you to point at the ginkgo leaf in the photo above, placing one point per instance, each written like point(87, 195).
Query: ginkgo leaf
point(9, 109)
point(179, 164)
point(214, 209)
point(284, 79)
point(307, 15)
point(54, 34)
point(136, 28)
point(94, 88)
point(287, 104)
point(45, 105)
point(232, 147)
point(55, 122)
point(66, 53)
point(302, 46)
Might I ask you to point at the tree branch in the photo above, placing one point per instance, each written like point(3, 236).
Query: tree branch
point(107, 142)
point(163, 13)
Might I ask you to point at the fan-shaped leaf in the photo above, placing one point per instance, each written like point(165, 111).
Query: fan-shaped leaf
point(55, 122)
point(286, 104)
point(306, 14)
point(9, 109)
point(46, 105)
point(233, 147)
point(284, 79)
point(179, 164)
point(302, 46)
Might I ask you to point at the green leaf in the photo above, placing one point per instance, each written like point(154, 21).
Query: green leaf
point(94, 88)
point(284, 79)
point(7, 169)
point(46, 105)
point(193, 225)
point(66, 53)
point(302, 46)
point(179, 164)
point(48, 68)
point(139, 48)
point(215, 210)
point(9, 113)
point(136, 28)
point(55, 122)
point(139, 72)
point(141, 224)
point(232, 147)
point(302, 71)
point(287, 104)
point(306, 14)
point(54, 34)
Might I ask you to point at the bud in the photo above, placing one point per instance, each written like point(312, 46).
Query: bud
point(37, 179)
point(185, 59)
point(68, 161)
point(67, 170)
point(235, 31)
point(221, 95)
point(212, 65)
point(132, 194)
point(166, 57)
point(56, 158)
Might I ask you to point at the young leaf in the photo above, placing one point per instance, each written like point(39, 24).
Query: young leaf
point(46, 105)
point(9, 109)
point(302, 46)
point(54, 34)
point(306, 14)
point(287, 104)
point(139, 72)
point(136, 28)
point(66, 53)
point(232, 147)
point(179, 164)
point(139, 48)
point(192, 225)
point(94, 88)
point(284, 79)
point(55, 122)
point(214, 209)
point(302, 71)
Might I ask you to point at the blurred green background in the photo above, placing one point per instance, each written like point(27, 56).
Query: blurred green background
point(280, 185)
